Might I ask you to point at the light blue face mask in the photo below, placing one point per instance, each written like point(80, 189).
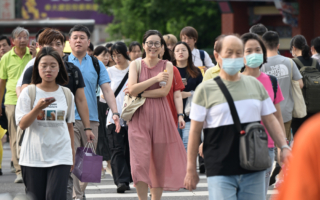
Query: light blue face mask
point(232, 65)
point(254, 60)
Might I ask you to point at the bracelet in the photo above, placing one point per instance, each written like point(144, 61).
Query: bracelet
point(86, 129)
point(285, 147)
point(139, 95)
point(118, 114)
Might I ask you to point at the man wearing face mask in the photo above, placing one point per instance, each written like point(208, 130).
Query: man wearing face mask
point(210, 110)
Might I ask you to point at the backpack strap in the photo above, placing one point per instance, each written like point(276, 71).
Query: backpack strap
point(74, 74)
point(298, 62)
point(138, 63)
point(96, 65)
point(274, 82)
point(202, 56)
point(314, 63)
point(68, 95)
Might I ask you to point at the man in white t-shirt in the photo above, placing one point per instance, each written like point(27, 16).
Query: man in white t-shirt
point(200, 58)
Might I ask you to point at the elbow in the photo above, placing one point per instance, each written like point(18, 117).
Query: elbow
point(22, 127)
point(132, 92)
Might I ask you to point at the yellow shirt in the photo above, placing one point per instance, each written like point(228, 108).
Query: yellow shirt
point(211, 73)
point(11, 67)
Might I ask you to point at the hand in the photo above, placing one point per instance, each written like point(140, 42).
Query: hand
point(201, 150)
point(33, 50)
point(181, 122)
point(285, 155)
point(126, 91)
point(162, 76)
point(191, 180)
point(73, 160)
point(116, 122)
point(42, 104)
point(90, 135)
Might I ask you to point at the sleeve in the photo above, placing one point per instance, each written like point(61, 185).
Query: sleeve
point(178, 84)
point(81, 81)
point(199, 109)
point(104, 77)
point(23, 106)
point(208, 75)
point(296, 75)
point(3, 69)
point(279, 96)
point(207, 60)
point(267, 106)
point(27, 76)
point(71, 115)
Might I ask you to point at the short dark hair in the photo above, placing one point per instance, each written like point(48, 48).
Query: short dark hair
point(121, 48)
point(252, 36)
point(271, 40)
point(91, 46)
point(300, 42)
point(133, 44)
point(39, 32)
point(190, 32)
point(62, 78)
point(108, 45)
point(166, 55)
point(2, 37)
point(99, 50)
point(316, 44)
point(258, 29)
point(80, 27)
point(49, 35)
point(192, 70)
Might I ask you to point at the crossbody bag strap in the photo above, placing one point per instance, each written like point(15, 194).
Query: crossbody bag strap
point(230, 101)
point(138, 63)
point(125, 78)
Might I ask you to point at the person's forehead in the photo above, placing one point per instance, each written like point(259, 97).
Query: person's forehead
point(4, 41)
point(153, 38)
point(78, 33)
point(231, 42)
point(22, 33)
point(252, 43)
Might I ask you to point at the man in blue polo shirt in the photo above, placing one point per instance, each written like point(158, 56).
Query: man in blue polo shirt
point(79, 39)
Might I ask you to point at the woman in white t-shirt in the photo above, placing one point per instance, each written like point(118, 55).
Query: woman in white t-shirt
point(118, 142)
point(47, 154)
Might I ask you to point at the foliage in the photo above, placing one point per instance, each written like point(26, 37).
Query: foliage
point(132, 18)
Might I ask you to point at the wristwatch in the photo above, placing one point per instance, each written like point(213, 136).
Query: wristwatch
point(285, 147)
point(180, 114)
point(116, 114)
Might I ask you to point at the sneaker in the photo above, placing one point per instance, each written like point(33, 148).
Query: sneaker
point(0, 172)
point(103, 173)
point(121, 188)
point(18, 179)
point(12, 169)
point(128, 187)
point(109, 170)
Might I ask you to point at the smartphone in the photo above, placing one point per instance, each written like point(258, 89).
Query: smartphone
point(184, 81)
point(50, 99)
point(33, 43)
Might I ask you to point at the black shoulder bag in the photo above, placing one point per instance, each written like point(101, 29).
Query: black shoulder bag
point(254, 152)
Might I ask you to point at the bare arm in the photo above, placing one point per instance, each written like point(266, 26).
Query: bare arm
point(18, 91)
point(178, 101)
point(71, 133)
point(185, 94)
point(82, 106)
point(300, 83)
point(3, 83)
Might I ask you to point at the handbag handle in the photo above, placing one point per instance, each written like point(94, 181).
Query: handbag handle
point(88, 146)
point(230, 101)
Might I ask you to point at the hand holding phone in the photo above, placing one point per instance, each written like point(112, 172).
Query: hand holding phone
point(50, 99)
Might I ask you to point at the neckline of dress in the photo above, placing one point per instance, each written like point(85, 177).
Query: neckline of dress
point(148, 66)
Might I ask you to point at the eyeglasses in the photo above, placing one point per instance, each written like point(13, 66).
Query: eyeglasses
point(156, 44)
point(117, 56)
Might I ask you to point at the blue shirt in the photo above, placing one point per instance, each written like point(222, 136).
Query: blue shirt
point(90, 77)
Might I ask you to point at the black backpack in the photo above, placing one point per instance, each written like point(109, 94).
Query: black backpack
point(96, 66)
point(274, 82)
point(311, 82)
point(202, 56)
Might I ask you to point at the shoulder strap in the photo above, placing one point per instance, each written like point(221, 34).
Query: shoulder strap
point(230, 101)
point(68, 95)
point(202, 56)
point(66, 58)
point(138, 63)
point(314, 63)
point(32, 94)
point(274, 82)
point(96, 65)
point(298, 62)
point(74, 74)
point(125, 78)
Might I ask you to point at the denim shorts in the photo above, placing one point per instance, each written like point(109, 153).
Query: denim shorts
point(237, 187)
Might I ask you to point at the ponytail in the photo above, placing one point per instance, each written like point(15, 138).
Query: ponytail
point(300, 42)
point(306, 53)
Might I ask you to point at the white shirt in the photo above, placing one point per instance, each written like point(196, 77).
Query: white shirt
point(29, 64)
point(46, 142)
point(116, 77)
point(197, 59)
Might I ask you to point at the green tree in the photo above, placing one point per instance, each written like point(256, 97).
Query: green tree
point(132, 18)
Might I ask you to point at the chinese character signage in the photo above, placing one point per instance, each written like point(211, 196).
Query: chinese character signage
point(72, 9)
point(6, 9)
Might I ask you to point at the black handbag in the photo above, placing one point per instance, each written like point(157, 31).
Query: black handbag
point(254, 152)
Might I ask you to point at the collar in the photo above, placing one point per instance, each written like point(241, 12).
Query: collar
point(12, 53)
point(72, 57)
point(216, 68)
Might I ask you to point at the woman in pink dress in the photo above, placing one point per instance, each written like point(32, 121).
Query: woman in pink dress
point(157, 155)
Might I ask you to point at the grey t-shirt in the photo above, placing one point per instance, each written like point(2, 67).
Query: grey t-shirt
point(280, 67)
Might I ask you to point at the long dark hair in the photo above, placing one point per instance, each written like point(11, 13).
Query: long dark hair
point(300, 42)
point(192, 70)
point(121, 48)
point(99, 50)
point(166, 55)
point(62, 77)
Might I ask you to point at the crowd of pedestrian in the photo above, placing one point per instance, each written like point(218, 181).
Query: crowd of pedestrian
point(235, 118)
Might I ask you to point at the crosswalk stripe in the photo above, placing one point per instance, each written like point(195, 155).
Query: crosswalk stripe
point(98, 187)
point(111, 179)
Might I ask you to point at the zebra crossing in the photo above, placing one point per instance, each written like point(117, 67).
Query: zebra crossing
point(107, 190)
